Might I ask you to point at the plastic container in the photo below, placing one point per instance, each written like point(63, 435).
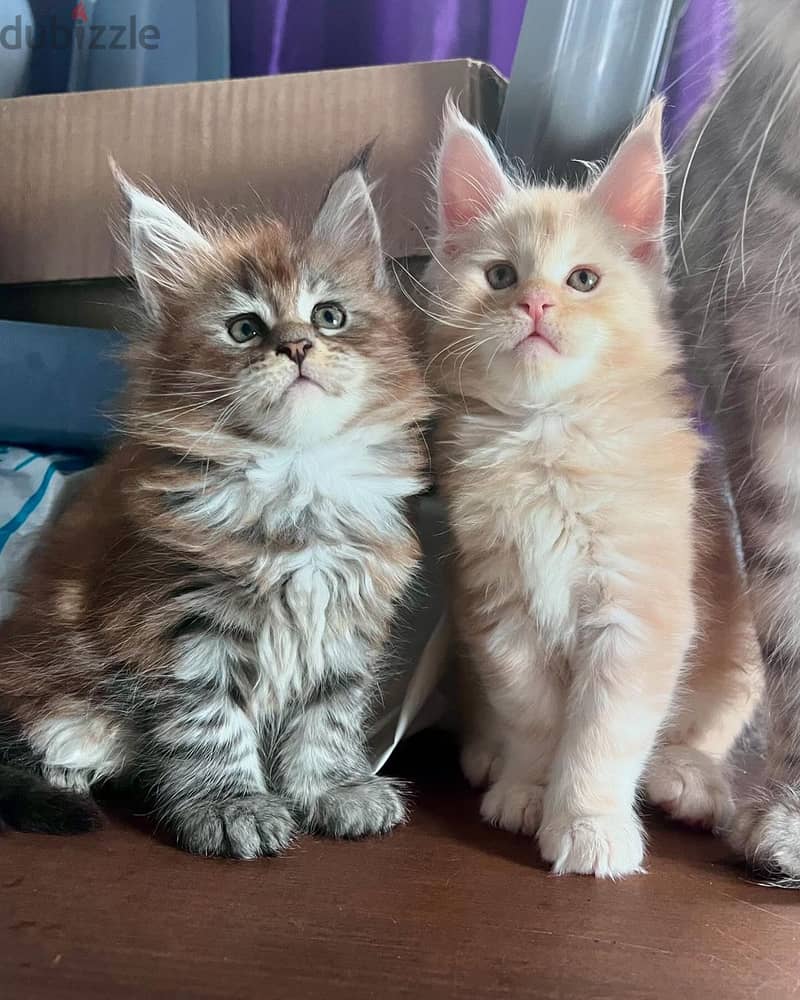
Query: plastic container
point(582, 72)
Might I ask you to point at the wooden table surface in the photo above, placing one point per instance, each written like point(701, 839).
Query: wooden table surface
point(442, 908)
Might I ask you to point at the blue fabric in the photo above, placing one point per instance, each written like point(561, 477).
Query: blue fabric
point(64, 465)
point(25, 462)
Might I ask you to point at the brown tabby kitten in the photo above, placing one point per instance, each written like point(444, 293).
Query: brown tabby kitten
point(208, 618)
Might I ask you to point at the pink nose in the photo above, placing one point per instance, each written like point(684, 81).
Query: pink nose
point(535, 304)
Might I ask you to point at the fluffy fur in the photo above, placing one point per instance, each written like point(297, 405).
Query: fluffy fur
point(737, 199)
point(596, 594)
point(208, 618)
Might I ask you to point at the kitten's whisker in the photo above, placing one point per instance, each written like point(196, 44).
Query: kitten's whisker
point(494, 353)
point(725, 91)
point(449, 348)
point(784, 96)
point(436, 318)
point(434, 257)
point(467, 355)
point(429, 292)
point(191, 407)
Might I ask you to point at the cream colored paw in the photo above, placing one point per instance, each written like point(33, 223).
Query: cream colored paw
point(691, 787)
point(766, 832)
point(481, 763)
point(604, 846)
point(514, 807)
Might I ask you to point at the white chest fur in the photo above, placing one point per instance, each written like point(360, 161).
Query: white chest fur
point(544, 500)
point(327, 514)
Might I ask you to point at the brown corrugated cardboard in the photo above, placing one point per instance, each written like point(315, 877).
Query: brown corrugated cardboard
point(229, 144)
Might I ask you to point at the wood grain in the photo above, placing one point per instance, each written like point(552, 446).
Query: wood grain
point(442, 908)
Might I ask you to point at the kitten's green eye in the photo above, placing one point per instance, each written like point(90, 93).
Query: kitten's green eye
point(502, 275)
point(245, 328)
point(582, 279)
point(328, 316)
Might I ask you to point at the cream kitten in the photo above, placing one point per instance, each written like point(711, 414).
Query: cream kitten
point(569, 462)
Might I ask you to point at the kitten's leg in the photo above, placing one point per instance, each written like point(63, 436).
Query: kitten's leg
point(515, 799)
point(722, 687)
point(46, 768)
point(624, 671)
point(325, 772)
point(200, 759)
point(78, 745)
point(525, 703)
point(481, 729)
point(687, 776)
point(767, 827)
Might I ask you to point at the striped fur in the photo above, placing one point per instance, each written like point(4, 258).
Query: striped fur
point(737, 208)
point(208, 618)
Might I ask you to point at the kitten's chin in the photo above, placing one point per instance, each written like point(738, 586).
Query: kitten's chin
point(536, 346)
point(305, 386)
point(307, 413)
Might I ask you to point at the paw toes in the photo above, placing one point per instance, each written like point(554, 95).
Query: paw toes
point(690, 787)
point(604, 846)
point(370, 807)
point(766, 832)
point(246, 827)
point(512, 807)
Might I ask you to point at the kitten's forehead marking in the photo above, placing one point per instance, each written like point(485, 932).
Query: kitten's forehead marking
point(312, 292)
point(240, 303)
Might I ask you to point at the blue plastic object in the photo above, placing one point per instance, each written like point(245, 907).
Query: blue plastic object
point(16, 23)
point(58, 385)
point(163, 41)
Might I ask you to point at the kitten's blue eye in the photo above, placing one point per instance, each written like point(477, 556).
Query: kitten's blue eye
point(502, 275)
point(583, 279)
point(245, 328)
point(328, 316)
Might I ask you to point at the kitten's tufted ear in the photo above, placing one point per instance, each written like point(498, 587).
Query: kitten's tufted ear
point(632, 189)
point(470, 181)
point(348, 218)
point(160, 242)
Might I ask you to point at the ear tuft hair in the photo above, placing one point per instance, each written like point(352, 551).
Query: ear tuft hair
point(361, 160)
point(632, 190)
point(160, 242)
point(347, 218)
point(470, 180)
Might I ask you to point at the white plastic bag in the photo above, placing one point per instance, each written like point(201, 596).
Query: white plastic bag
point(33, 488)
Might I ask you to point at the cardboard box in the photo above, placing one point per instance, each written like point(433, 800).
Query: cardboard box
point(232, 144)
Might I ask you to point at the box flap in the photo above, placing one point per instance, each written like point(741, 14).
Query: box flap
point(228, 145)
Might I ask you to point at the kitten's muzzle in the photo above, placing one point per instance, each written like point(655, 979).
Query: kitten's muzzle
point(295, 346)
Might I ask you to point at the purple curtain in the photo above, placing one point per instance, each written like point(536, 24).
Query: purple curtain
point(288, 36)
point(698, 59)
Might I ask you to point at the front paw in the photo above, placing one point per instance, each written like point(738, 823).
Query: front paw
point(358, 810)
point(604, 846)
point(514, 807)
point(766, 832)
point(245, 827)
point(691, 787)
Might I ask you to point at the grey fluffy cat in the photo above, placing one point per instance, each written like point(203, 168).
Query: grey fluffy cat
point(737, 202)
